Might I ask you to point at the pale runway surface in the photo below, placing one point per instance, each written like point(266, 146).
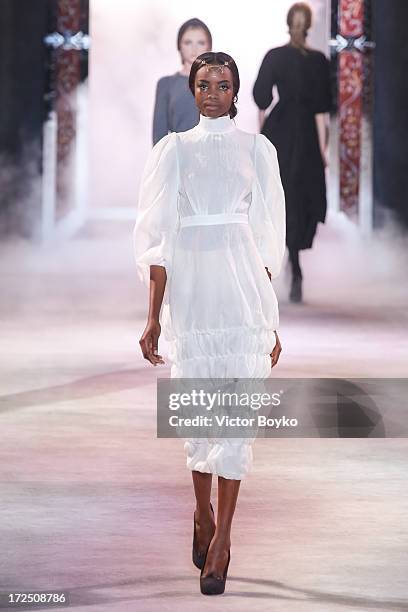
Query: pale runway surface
point(93, 504)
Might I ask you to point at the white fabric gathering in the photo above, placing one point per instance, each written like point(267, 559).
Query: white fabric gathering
point(212, 212)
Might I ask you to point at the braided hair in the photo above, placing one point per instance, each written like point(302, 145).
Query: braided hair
point(217, 59)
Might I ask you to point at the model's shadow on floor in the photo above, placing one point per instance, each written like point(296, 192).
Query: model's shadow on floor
point(84, 388)
point(313, 595)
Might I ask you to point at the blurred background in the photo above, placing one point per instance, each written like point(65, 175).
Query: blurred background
point(77, 94)
point(78, 83)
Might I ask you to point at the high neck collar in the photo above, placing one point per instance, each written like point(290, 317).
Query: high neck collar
point(216, 125)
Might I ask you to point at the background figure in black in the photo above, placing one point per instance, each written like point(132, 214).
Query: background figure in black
point(298, 127)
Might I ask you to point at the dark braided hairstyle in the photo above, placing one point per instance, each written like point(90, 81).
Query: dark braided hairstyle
point(217, 59)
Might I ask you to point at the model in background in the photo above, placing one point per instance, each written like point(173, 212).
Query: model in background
point(175, 109)
point(210, 229)
point(298, 127)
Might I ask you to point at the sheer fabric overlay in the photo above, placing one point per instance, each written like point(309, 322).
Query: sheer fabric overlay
point(212, 212)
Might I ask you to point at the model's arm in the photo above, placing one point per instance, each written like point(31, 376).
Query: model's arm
point(323, 135)
point(160, 114)
point(154, 234)
point(150, 337)
point(278, 347)
point(267, 211)
point(324, 104)
point(262, 89)
point(267, 215)
point(261, 118)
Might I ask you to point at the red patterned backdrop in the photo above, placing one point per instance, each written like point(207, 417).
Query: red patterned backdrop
point(351, 14)
point(67, 80)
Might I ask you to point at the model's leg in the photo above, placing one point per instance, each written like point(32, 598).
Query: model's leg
point(204, 518)
point(296, 287)
point(294, 262)
point(217, 556)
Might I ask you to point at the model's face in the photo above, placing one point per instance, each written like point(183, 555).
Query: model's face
point(298, 25)
point(193, 42)
point(213, 91)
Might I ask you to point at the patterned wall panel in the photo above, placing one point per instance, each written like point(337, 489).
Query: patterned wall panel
point(351, 25)
point(67, 43)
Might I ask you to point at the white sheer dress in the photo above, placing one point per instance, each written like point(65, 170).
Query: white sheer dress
point(212, 212)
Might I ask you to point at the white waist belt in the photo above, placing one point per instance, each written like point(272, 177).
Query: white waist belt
point(214, 219)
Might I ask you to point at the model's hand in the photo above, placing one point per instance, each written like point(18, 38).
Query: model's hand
point(276, 352)
point(325, 158)
point(149, 342)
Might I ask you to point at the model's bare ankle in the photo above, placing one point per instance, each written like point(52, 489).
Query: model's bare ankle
point(203, 514)
point(222, 539)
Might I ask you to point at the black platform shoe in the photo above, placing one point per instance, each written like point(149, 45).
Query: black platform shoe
point(295, 294)
point(198, 558)
point(213, 585)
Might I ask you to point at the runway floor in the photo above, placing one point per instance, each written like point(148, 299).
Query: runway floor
point(94, 504)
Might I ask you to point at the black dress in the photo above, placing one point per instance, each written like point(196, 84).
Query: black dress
point(303, 83)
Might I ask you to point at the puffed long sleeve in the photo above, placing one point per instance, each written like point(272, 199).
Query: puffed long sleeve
point(267, 215)
point(157, 214)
